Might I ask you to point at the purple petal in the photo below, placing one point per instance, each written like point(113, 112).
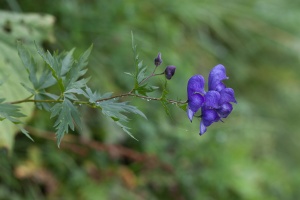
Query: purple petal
point(209, 116)
point(227, 95)
point(195, 102)
point(195, 85)
point(216, 76)
point(190, 114)
point(225, 110)
point(220, 87)
point(202, 128)
point(212, 99)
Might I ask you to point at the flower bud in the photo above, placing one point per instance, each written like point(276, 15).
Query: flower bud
point(158, 60)
point(170, 71)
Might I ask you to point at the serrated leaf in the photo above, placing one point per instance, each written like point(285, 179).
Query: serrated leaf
point(67, 62)
point(115, 111)
point(73, 78)
point(67, 116)
point(46, 80)
point(28, 62)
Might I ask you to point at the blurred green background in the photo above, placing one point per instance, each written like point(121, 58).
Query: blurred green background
point(253, 155)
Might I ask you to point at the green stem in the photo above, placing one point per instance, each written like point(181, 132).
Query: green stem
point(100, 100)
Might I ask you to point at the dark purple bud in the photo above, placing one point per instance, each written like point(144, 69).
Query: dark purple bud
point(158, 60)
point(170, 71)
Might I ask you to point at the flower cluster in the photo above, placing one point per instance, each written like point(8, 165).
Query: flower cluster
point(216, 103)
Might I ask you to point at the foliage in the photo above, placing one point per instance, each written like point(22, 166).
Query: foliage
point(25, 27)
point(253, 155)
point(67, 73)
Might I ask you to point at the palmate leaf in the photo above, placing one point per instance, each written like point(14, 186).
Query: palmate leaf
point(39, 85)
point(67, 116)
point(46, 80)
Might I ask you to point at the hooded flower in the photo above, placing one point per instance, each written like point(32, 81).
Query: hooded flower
point(195, 92)
point(216, 102)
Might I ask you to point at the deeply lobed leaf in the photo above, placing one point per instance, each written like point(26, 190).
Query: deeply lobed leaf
point(67, 116)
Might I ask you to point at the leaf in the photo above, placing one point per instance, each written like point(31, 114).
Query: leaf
point(163, 100)
point(67, 62)
point(67, 116)
point(24, 27)
point(10, 112)
point(115, 111)
point(53, 65)
point(46, 80)
point(28, 62)
point(73, 78)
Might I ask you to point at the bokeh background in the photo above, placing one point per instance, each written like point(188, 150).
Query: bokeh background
point(254, 154)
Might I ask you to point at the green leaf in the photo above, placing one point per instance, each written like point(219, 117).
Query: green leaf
point(115, 111)
point(67, 116)
point(28, 62)
point(126, 130)
point(183, 106)
point(27, 27)
point(163, 100)
point(43, 96)
point(46, 80)
point(10, 112)
point(67, 62)
point(54, 66)
point(73, 77)
point(144, 89)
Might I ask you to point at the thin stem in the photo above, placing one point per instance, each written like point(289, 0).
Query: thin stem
point(142, 97)
point(152, 75)
point(26, 100)
point(21, 101)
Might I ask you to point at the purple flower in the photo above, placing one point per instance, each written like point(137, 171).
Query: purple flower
point(170, 71)
point(216, 103)
point(195, 92)
point(158, 60)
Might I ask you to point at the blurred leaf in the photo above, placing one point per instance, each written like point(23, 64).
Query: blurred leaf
point(10, 112)
point(24, 27)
